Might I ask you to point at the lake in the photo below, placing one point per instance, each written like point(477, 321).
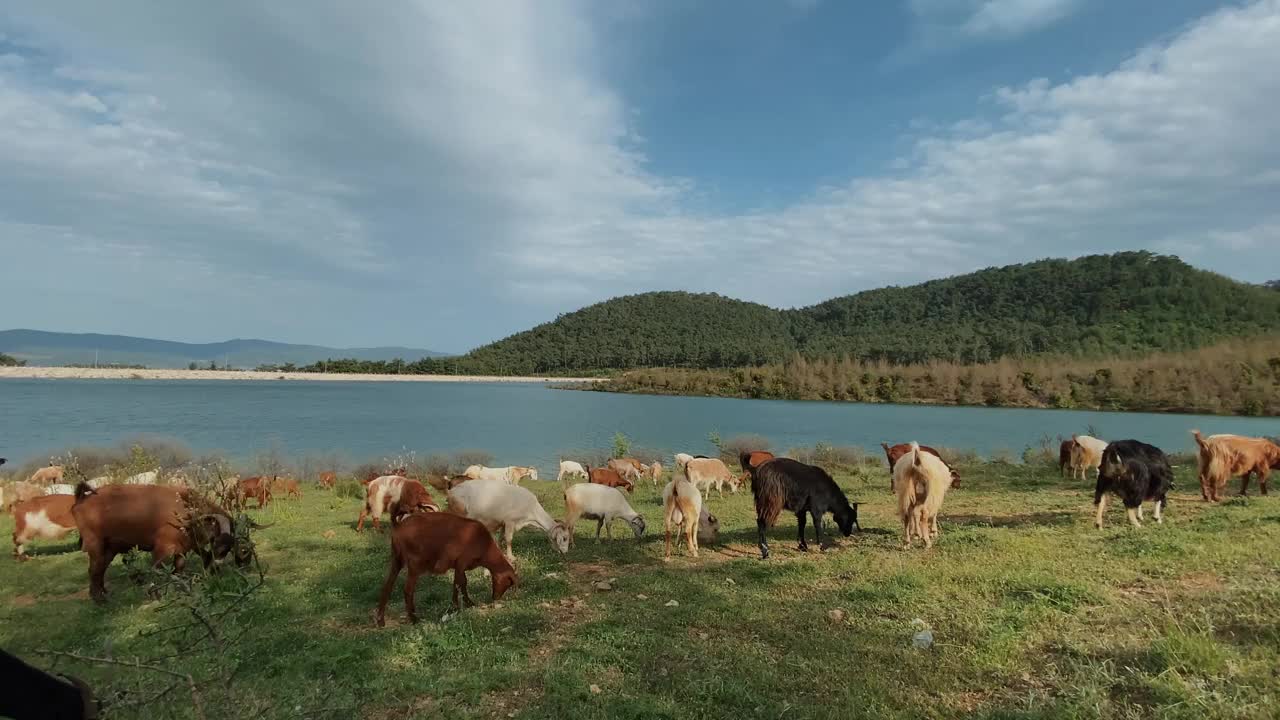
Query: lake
point(517, 423)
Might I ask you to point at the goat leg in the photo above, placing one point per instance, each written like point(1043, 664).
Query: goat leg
point(800, 523)
point(460, 583)
point(387, 587)
point(817, 531)
point(410, 584)
point(764, 541)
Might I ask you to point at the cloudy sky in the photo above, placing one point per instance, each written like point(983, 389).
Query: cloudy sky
point(440, 174)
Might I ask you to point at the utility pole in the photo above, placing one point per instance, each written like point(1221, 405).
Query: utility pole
point(95, 359)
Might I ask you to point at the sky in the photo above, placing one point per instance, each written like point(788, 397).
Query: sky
point(442, 174)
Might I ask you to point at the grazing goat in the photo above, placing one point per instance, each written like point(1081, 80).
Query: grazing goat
point(654, 472)
point(498, 504)
point(327, 479)
point(628, 468)
point(681, 459)
point(920, 480)
point(708, 472)
point(600, 503)
point(510, 474)
point(1086, 453)
point(256, 488)
point(785, 483)
point(1064, 456)
point(46, 475)
point(34, 694)
point(400, 495)
point(170, 522)
point(748, 459)
point(569, 469)
point(437, 543)
point(681, 506)
point(895, 453)
point(46, 518)
point(610, 477)
point(1136, 472)
point(290, 487)
point(1223, 457)
point(143, 478)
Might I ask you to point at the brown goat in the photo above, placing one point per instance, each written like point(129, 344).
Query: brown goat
point(1064, 456)
point(1223, 457)
point(254, 488)
point(290, 487)
point(167, 521)
point(47, 517)
point(607, 476)
point(895, 452)
point(327, 479)
point(436, 543)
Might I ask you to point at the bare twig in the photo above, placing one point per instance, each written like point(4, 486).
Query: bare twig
point(191, 681)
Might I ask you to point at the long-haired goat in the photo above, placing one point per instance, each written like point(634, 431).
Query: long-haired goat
point(920, 480)
point(894, 453)
point(1136, 472)
point(1223, 457)
point(783, 483)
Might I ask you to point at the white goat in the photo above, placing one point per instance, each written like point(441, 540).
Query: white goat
point(498, 504)
point(601, 503)
point(510, 474)
point(654, 472)
point(145, 478)
point(60, 489)
point(681, 459)
point(569, 468)
point(920, 480)
point(100, 481)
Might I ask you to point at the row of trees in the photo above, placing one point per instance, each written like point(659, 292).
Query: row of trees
point(1124, 305)
point(1241, 377)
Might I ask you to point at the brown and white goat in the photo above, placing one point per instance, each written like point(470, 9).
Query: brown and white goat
point(395, 493)
point(1086, 454)
point(46, 518)
point(610, 477)
point(681, 506)
point(437, 543)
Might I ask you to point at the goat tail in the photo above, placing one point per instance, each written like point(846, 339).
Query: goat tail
point(1200, 441)
point(83, 490)
point(769, 492)
point(915, 453)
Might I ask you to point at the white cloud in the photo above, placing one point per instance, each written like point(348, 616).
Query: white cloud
point(1015, 17)
point(411, 160)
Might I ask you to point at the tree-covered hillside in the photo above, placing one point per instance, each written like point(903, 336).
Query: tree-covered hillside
point(1104, 305)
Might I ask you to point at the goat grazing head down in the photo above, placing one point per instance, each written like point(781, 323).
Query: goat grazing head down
point(560, 536)
point(637, 526)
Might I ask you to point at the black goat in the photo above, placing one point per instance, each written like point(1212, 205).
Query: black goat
point(785, 483)
point(34, 694)
point(1136, 472)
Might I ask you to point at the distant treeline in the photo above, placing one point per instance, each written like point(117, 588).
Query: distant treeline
point(1239, 377)
point(11, 361)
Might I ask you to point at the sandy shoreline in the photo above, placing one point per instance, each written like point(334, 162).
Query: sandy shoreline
point(64, 373)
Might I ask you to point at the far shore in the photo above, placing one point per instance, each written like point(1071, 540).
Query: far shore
point(69, 373)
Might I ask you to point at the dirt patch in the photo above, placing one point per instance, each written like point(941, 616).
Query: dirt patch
point(1201, 582)
point(508, 703)
point(24, 600)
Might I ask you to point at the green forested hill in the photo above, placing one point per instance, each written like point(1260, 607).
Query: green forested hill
point(1103, 305)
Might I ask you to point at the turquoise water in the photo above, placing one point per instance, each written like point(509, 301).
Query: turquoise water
point(517, 423)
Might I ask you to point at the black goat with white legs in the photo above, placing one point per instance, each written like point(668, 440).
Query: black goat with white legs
point(783, 483)
point(1136, 472)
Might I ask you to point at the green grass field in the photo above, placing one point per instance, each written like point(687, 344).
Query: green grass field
point(1034, 613)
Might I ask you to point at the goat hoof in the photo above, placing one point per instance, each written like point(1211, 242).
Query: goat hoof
point(802, 548)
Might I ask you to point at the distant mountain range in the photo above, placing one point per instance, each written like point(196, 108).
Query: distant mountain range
point(37, 347)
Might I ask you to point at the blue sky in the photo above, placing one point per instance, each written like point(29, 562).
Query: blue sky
point(442, 174)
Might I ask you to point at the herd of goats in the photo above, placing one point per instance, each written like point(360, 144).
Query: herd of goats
point(170, 519)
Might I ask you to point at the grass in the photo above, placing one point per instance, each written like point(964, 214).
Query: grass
point(1034, 613)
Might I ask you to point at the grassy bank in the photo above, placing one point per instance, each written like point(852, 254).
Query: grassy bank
point(1034, 615)
point(1237, 378)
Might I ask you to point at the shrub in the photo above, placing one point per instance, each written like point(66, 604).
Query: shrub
point(349, 489)
point(621, 445)
point(437, 464)
point(739, 444)
point(466, 458)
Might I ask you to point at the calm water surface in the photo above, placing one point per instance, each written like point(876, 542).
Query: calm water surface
point(517, 423)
